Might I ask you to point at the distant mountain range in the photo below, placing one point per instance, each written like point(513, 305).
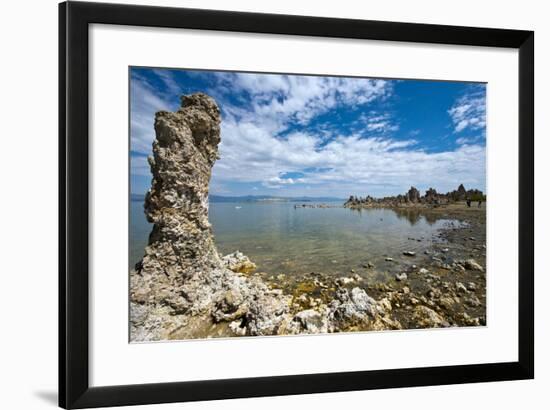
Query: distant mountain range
point(257, 198)
point(262, 198)
point(137, 197)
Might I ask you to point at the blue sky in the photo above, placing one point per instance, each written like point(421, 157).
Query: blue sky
point(296, 135)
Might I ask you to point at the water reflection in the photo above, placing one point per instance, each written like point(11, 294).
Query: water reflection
point(413, 216)
point(280, 238)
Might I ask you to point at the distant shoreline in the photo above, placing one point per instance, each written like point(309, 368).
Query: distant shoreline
point(255, 198)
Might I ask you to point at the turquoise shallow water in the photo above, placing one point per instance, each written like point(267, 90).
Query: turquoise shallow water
point(282, 239)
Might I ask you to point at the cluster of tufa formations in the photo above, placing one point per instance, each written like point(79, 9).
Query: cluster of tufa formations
point(412, 198)
point(183, 288)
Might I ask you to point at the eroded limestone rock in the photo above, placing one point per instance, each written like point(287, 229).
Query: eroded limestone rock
point(184, 152)
point(309, 321)
point(238, 262)
point(357, 310)
point(182, 288)
point(471, 264)
point(426, 317)
point(181, 275)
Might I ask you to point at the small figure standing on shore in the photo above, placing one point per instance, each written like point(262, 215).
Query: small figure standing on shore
point(469, 202)
point(479, 204)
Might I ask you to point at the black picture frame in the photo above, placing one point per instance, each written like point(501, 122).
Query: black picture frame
point(74, 387)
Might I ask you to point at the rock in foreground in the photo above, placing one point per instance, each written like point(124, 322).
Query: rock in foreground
point(182, 288)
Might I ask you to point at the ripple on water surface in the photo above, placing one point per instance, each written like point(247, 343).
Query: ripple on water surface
point(280, 238)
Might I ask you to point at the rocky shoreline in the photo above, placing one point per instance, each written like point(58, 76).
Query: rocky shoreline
point(182, 288)
point(413, 199)
point(445, 286)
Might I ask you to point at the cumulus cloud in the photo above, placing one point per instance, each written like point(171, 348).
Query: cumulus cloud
point(278, 182)
point(279, 100)
point(283, 134)
point(350, 164)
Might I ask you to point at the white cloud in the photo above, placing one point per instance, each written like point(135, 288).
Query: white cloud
point(469, 111)
point(278, 182)
point(257, 148)
point(468, 140)
point(278, 100)
point(167, 78)
point(381, 123)
point(144, 103)
point(352, 164)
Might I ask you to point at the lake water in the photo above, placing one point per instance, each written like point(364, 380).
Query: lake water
point(280, 238)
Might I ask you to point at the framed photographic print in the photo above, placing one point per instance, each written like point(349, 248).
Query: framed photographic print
point(255, 204)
